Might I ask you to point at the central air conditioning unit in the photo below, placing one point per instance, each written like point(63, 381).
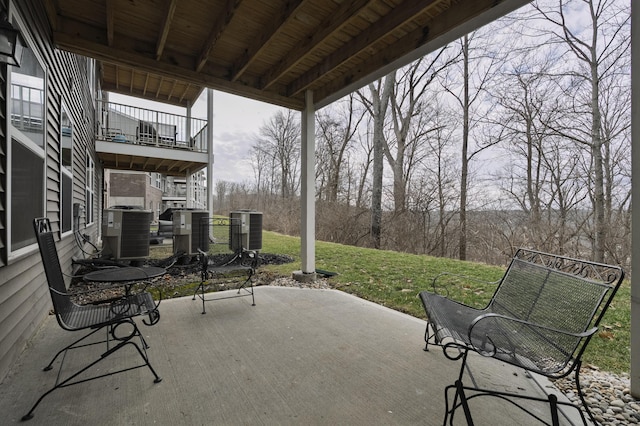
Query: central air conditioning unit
point(125, 233)
point(189, 230)
point(246, 230)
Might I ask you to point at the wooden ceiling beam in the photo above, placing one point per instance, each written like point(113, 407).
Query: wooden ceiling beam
point(218, 27)
point(159, 86)
point(400, 15)
point(110, 21)
point(187, 86)
point(173, 87)
point(164, 30)
point(286, 14)
point(336, 21)
point(146, 84)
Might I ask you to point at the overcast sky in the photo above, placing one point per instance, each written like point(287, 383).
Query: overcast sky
point(236, 123)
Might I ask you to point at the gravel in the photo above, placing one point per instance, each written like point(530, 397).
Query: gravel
point(608, 395)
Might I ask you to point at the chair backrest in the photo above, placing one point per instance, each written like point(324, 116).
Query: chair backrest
point(62, 304)
point(557, 292)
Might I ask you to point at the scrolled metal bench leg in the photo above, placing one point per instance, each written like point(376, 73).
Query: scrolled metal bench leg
point(553, 406)
point(463, 402)
point(581, 395)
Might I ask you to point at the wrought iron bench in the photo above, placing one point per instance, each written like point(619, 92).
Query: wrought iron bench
point(545, 310)
point(115, 316)
point(224, 261)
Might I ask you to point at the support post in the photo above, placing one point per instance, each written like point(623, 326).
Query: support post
point(308, 193)
point(635, 194)
point(187, 127)
point(210, 152)
point(190, 193)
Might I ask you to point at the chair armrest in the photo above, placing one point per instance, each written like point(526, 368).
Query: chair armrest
point(453, 277)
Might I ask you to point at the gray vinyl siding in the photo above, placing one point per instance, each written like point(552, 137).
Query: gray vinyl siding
point(24, 298)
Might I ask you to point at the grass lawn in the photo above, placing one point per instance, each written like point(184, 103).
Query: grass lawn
point(394, 280)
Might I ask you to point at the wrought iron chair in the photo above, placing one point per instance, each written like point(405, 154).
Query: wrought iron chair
point(541, 318)
point(109, 316)
point(221, 259)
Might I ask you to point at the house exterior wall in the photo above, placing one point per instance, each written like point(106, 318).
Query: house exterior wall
point(69, 84)
point(127, 189)
point(133, 189)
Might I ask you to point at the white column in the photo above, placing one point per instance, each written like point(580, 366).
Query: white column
point(210, 151)
point(308, 195)
point(187, 127)
point(635, 194)
point(189, 185)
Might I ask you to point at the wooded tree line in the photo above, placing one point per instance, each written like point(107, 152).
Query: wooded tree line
point(515, 135)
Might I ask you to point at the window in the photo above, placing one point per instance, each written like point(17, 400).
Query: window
point(27, 149)
point(90, 189)
point(27, 98)
point(27, 178)
point(66, 170)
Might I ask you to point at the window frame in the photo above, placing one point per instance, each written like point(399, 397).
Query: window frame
point(90, 192)
point(16, 135)
point(66, 172)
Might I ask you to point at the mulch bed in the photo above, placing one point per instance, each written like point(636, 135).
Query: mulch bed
point(181, 278)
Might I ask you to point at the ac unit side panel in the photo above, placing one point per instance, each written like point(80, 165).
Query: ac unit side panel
point(134, 242)
point(111, 222)
point(110, 246)
point(246, 232)
point(182, 222)
point(235, 232)
point(197, 239)
point(255, 231)
point(182, 243)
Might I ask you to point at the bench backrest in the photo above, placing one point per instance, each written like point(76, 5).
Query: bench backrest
point(557, 292)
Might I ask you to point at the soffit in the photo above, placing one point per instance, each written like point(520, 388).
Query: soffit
point(273, 51)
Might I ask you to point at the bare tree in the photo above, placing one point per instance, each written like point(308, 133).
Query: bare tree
point(466, 82)
point(409, 111)
point(377, 106)
point(277, 152)
point(600, 46)
point(336, 130)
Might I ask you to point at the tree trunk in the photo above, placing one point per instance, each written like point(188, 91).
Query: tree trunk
point(464, 172)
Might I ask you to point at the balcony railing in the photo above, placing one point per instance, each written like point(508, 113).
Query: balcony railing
point(140, 126)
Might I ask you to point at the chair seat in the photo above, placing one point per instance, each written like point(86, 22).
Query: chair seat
point(86, 316)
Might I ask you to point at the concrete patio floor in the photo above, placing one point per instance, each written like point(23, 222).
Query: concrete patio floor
point(299, 357)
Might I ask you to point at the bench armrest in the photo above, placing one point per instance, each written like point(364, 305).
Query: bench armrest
point(511, 329)
point(437, 283)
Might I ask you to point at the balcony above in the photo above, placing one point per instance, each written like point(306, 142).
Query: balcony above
point(138, 139)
